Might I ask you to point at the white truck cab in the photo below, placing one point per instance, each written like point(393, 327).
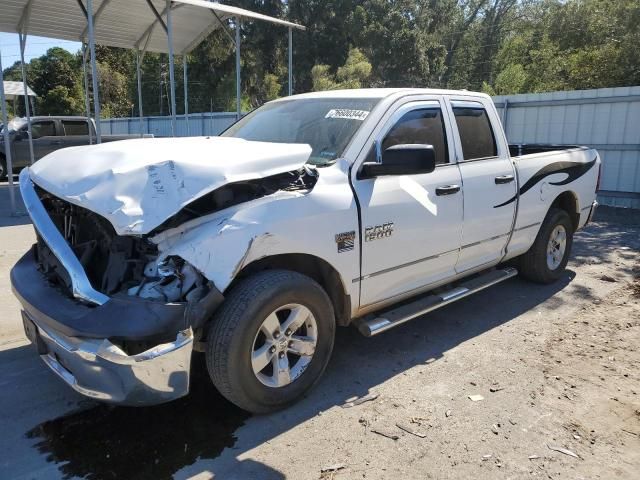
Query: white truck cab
point(313, 211)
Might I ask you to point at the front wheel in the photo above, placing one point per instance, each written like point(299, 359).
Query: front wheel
point(271, 340)
point(548, 256)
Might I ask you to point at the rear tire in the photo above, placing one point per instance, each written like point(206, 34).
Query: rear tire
point(547, 258)
point(3, 168)
point(251, 354)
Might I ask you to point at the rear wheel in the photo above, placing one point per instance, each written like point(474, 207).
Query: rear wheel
point(271, 340)
point(548, 256)
point(3, 168)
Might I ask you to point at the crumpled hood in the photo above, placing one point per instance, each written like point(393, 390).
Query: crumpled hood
point(138, 184)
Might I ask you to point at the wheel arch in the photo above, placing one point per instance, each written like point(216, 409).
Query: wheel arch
point(568, 201)
point(312, 266)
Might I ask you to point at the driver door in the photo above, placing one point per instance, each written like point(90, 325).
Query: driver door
point(411, 224)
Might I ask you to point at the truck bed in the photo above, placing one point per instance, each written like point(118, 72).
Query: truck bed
point(520, 149)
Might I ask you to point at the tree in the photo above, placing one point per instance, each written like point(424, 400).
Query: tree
point(500, 46)
point(60, 101)
point(353, 74)
point(114, 91)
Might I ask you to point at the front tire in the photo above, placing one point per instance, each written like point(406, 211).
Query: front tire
point(271, 340)
point(547, 258)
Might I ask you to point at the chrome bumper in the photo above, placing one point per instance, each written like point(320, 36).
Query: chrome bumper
point(101, 370)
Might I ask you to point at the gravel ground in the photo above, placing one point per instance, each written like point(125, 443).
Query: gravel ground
point(556, 368)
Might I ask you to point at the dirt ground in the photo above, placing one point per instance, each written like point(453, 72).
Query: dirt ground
point(556, 368)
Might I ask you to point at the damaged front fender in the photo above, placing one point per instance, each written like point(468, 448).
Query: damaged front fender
point(222, 244)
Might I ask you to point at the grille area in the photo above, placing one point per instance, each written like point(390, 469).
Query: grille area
point(112, 262)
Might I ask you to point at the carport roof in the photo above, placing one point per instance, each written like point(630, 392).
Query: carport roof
point(124, 23)
point(16, 89)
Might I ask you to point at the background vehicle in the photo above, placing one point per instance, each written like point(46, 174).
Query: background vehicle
point(365, 207)
point(49, 134)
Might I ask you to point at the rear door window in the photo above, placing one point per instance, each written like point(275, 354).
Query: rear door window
point(421, 126)
point(75, 127)
point(476, 135)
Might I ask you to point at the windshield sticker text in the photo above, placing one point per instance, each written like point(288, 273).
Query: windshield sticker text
point(347, 113)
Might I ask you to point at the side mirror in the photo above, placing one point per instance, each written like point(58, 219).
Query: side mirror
point(408, 159)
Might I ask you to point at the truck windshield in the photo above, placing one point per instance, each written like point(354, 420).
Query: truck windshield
point(325, 124)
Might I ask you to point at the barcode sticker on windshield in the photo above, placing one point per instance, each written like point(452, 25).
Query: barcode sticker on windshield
point(347, 113)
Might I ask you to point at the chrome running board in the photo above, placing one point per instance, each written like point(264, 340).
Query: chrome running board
point(391, 318)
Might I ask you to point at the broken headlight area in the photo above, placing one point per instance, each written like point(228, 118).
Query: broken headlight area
point(113, 263)
point(171, 280)
point(122, 265)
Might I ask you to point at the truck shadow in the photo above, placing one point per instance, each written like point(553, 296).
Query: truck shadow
point(183, 437)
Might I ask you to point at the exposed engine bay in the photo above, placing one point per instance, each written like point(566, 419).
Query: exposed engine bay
point(127, 264)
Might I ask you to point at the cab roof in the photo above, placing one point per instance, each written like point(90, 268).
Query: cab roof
point(380, 93)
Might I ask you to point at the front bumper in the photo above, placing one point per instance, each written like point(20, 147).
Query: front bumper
point(101, 370)
point(78, 342)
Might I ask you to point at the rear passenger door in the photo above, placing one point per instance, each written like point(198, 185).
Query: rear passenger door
point(488, 177)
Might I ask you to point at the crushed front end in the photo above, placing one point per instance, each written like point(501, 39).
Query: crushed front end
point(110, 320)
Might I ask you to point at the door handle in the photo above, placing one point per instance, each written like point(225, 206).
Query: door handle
point(504, 179)
point(56, 142)
point(447, 189)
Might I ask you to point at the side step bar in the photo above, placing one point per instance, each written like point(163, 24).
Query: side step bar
point(404, 313)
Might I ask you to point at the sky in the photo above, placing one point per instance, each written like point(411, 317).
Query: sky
point(36, 46)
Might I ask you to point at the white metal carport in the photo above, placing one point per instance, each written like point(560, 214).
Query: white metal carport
point(160, 26)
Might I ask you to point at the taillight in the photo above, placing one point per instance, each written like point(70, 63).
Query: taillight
point(599, 176)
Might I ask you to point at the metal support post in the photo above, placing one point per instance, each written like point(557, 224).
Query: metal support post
point(23, 43)
point(139, 75)
point(238, 86)
point(172, 80)
point(186, 91)
point(85, 78)
point(7, 142)
point(94, 71)
point(290, 61)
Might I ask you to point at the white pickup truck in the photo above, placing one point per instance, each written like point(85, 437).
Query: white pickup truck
point(313, 211)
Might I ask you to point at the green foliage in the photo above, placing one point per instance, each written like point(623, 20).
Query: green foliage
point(353, 74)
point(322, 78)
point(498, 46)
point(60, 101)
point(577, 44)
point(113, 92)
point(272, 86)
point(511, 80)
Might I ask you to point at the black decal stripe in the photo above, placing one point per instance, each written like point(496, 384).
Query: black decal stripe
point(573, 170)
